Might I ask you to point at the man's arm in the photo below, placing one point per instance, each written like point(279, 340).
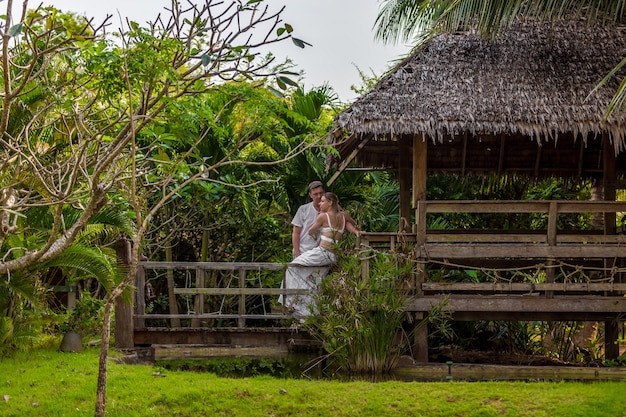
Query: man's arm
point(295, 240)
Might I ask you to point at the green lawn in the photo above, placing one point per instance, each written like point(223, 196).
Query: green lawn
point(50, 383)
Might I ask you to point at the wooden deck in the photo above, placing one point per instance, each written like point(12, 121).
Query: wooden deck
point(572, 275)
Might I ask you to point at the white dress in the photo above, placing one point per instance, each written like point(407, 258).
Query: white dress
point(306, 272)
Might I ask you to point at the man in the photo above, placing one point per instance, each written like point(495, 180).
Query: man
point(306, 216)
point(308, 277)
point(304, 219)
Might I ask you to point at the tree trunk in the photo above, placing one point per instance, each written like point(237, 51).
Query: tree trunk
point(101, 390)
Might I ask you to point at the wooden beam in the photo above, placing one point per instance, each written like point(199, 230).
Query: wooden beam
point(523, 206)
point(215, 266)
point(528, 304)
point(538, 159)
point(464, 155)
point(524, 287)
point(420, 168)
point(609, 177)
point(581, 155)
point(502, 153)
point(518, 251)
point(420, 157)
point(404, 181)
point(240, 291)
point(344, 164)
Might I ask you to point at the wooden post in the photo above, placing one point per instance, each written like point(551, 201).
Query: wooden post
point(123, 309)
point(242, 298)
point(404, 180)
point(140, 297)
point(553, 216)
point(611, 333)
point(198, 306)
point(609, 183)
point(420, 339)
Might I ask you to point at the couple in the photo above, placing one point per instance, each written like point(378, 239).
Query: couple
point(317, 227)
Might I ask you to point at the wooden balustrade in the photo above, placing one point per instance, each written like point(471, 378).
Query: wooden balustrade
point(507, 243)
point(197, 288)
point(476, 247)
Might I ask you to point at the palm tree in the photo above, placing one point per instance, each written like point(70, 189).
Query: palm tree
point(418, 20)
point(89, 257)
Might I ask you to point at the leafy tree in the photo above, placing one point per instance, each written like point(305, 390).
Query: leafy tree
point(74, 104)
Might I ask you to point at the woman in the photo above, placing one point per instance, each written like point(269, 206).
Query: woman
point(307, 270)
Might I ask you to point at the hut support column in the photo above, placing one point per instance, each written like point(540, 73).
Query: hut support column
point(404, 180)
point(611, 345)
point(420, 341)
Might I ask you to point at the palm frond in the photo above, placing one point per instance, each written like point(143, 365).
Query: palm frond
point(89, 262)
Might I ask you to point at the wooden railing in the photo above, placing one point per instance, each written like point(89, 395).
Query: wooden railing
point(502, 243)
point(235, 294)
point(234, 282)
point(573, 262)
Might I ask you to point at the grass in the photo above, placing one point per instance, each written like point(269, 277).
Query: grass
point(51, 383)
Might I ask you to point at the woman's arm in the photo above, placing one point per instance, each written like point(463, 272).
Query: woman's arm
point(351, 227)
point(319, 222)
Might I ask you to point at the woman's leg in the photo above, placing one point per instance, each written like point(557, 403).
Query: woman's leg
point(306, 273)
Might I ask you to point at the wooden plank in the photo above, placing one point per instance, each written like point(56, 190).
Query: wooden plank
point(523, 286)
point(513, 251)
point(522, 206)
point(212, 316)
point(404, 182)
point(482, 206)
point(583, 238)
point(591, 206)
point(486, 372)
point(172, 352)
point(240, 291)
point(242, 298)
point(215, 266)
point(526, 304)
point(140, 297)
point(500, 236)
point(486, 238)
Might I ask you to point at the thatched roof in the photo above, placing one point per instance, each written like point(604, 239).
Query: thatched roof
point(531, 82)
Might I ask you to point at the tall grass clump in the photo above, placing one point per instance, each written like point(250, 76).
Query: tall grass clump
point(360, 315)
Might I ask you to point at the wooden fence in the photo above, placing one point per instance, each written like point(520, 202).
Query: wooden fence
point(237, 294)
point(234, 288)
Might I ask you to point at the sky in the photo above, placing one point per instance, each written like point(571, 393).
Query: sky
point(341, 32)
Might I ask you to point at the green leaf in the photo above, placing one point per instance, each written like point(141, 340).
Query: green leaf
point(16, 30)
point(288, 27)
point(300, 43)
point(280, 31)
point(206, 60)
point(276, 92)
point(288, 81)
point(281, 84)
